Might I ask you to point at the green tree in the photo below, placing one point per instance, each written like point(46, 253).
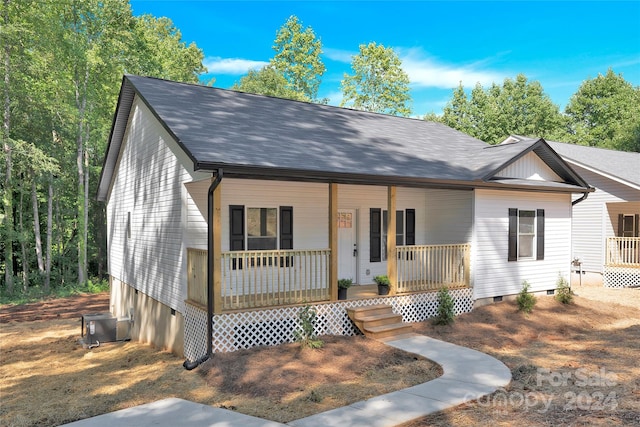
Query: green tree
point(62, 66)
point(518, 107)
point(378, 82)
point(157, 50)
point(268, 81)
point(605, 112)
point(456, 112)
point(297, 57)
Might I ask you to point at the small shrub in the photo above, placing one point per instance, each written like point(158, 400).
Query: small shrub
point(525, 300)
point(345, 283)
point(383, 279)
point(445, 314)
point(306, 335)
point(564, 294)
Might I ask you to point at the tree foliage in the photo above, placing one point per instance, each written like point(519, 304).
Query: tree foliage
point(378, 83)
point(268, 81)
point(298, 59)
point(62, 66)
point(605, 112)
point(517, 106)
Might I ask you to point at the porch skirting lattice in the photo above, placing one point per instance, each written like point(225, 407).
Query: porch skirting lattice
point(621, 277)
point(239, 330)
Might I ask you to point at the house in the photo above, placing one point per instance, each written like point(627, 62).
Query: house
point(606, 226)
point(243, 207)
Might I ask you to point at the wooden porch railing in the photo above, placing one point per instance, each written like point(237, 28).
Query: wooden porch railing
point(430, 267)
point(623, 252)
point(263, 278)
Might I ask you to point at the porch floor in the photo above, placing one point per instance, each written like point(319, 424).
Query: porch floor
point(362, 291)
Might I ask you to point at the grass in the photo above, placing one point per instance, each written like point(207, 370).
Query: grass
point(36, 293)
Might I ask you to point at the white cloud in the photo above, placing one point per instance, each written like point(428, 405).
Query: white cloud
point(232, 66)
point(339, 55)
point(430, 72)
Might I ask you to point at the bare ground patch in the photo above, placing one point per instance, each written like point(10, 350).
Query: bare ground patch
point(46, 378)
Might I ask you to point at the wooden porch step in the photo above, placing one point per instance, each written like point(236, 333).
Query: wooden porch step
point(386, 331)
point(378, 321)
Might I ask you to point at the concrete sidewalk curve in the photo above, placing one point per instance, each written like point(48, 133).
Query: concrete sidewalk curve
point(468, 375)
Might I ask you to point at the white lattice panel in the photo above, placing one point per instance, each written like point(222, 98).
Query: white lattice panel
point(621, 277)
point(235, 331)
point(195, 332)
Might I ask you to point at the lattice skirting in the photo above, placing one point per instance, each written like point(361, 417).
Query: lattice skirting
point(235, 331)
point(621, 277)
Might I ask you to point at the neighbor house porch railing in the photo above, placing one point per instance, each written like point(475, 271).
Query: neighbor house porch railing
point(430, 267)
point(253, 279)
point(623, 252)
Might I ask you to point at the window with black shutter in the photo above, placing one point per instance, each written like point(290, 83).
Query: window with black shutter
point(526, 234)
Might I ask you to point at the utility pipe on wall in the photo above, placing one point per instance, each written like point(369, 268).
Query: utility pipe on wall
point(188, 365)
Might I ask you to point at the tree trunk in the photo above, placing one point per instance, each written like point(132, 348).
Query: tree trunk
point(8, 189)
point(36, 225)
point(47, 271)
point(81, 102)
point(85, 230)
point(23, 244)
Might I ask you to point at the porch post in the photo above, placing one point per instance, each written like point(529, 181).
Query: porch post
point(392, 258)
point(333, 242)
point(217, 250)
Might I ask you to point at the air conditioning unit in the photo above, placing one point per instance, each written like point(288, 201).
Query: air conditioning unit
point(104, 327)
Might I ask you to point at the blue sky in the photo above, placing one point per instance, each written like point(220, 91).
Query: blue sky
point(559, 44)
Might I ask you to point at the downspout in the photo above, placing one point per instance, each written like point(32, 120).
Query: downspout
point(581, 199)
point(188, 365)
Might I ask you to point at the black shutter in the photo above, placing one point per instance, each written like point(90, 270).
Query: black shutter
point(540, 234)
point(374, 235)
point(399, 228)
point(620, 225)
point(411, 226)
point(636, 219)
point(513, 234)
point(286, 227)
point(236, 232)
point(236, 228)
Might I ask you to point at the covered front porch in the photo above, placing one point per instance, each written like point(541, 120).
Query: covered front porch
point(622, 262)
point(260, 279)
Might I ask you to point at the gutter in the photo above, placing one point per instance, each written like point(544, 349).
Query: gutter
point(189, 365)
point(581, 199)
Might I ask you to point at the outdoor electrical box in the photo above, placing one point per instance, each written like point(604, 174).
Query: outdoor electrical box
point(104, 327)
point(99, 327)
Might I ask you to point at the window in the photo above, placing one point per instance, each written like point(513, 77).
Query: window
point(405, 232)
point(628, 225)
point(262, 230)
point(526, 234)
point(399, 231)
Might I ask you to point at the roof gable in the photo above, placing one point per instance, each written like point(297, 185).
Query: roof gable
point(530, 166)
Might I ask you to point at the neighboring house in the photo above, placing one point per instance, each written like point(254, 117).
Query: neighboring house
point(281, 198)
point(605, 229)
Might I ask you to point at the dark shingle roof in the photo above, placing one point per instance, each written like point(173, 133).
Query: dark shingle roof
point(623, 165)
point(254, 135)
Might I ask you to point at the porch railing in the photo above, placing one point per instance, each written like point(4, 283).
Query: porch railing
point(263, 278)
point(623, 252)
point(430, 267)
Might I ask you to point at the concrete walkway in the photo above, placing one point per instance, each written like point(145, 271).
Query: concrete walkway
point(468, 375)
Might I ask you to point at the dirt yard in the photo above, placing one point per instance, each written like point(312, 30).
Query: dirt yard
point(572, 365)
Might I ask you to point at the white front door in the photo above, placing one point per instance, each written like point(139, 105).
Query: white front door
point(347, 245)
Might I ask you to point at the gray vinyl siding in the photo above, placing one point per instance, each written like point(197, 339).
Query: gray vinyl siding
point(596, 218)
point(493, 274)
point(148, 184)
